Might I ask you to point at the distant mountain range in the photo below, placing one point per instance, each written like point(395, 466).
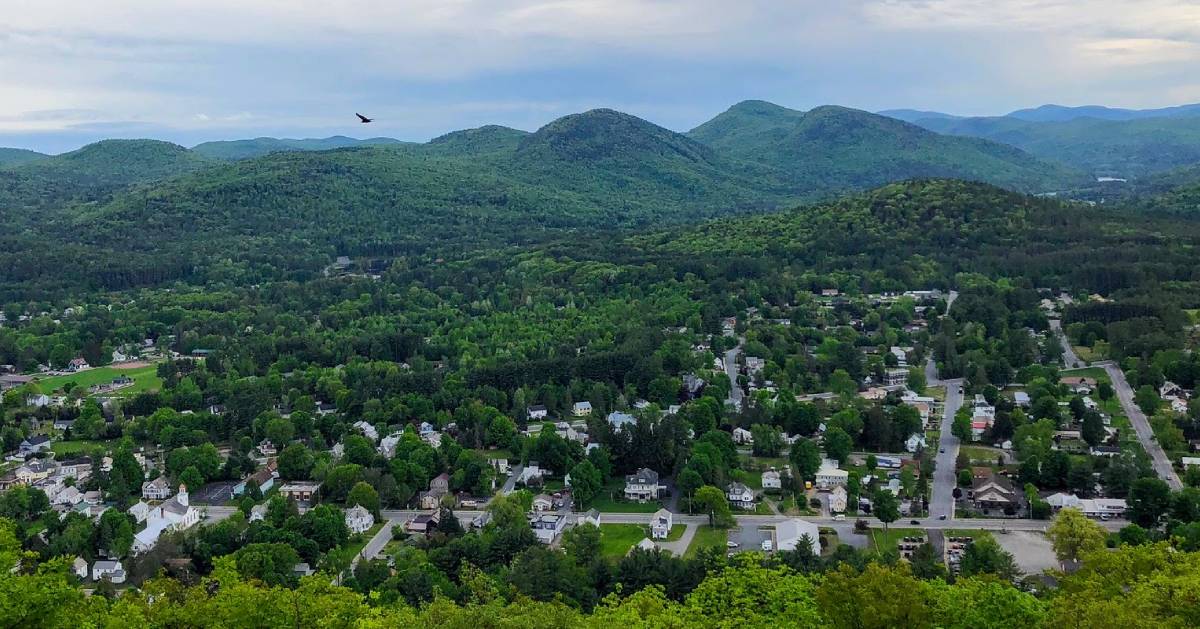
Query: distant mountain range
point(1057, 113)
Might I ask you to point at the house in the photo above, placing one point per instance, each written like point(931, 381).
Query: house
point(740, 496)
point(1190, 461)
point(359, 519)
point(33, 445)
point(741, 436)
point(772, 480)
point(531, 473)
point(1060, 500)
point(901, 354)
point(660, 524)
point(387, 446)
point(543, 502)
point(367, 430)
point(645, 545)
point(895, 377)
point(693, 386)
point(38, 401)
point(438, 487)
point(619, 420)
point(581, 409)
point(77, 364)
point(300, 491)
point(829, 476)
point(500, 465)
point(642, 485)
point(793, 532)
point(264, 477)
point(1079, 384)
point(77, 468)
point(266, 448)
point(874, 393)
point(175, 514)
point(111, 570)
point(422, 523)
point(157, 489)
point(992, 491)
point(916, 441)
point(837, 500)
point(1021, 398)
point(12, 381)
point(34, 471)
point(258, 512)
point(537, 411)
point(302, 569)
point(70, 496)
point(1170, 389)
point(140, 511)
point(548, 526)
point(1103, 507)
point(80, 567)
point(591, 517)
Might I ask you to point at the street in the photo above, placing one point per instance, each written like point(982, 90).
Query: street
point(731, 370)
point(1141, 426)
point(944, 479)
point(1070, 358)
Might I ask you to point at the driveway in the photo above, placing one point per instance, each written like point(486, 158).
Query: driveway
point(680, 546)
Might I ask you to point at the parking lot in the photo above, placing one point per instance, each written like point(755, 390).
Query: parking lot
point(212, 493)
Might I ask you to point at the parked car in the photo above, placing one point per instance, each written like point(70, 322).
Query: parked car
point(839, 517)
point(731, 544)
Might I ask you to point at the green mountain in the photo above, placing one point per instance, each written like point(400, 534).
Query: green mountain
point(1118, 148)
point(257, 147)
point(13, 157)
point(483, 140)
point(1060, 113)
point(836, 148)
point(115, 163)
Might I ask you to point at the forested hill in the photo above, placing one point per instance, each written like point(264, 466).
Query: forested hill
point(837, 148)
point(245, 149)
point(11, 157)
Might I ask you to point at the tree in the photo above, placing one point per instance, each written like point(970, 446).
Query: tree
point(886, 506)
point(805, 457)
point(1092, 430)
point(295, 462)
point(688, 482)
point(1149, 499)
point(961, 427)
point(191, 477)
point(582, 542)
point(842, 383)
point(1133, 535)
point(767, 440)
point(585, 482)
point(985, 556)
point(269, 563)
point(713, 502)
point(114, 533)
point(1072, 535)
point(365, 495)
point(964, 478)
point(1105, 391)
point(927, 563)
point(1147, 399)
point(838, 444)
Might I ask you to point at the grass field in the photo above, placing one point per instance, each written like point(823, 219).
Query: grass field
point(706, 537)
point(610, 501)
point(676, 532)
point(1098, 373)
point(144, 379)
point(888, 540)
point(617, 539)
point(981, 454)
point(64, 449)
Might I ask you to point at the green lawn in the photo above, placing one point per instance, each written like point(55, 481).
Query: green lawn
point(762, 508)
point(617, 539)
point(888, 540)
point(753, 480)
point(1097, 373)
point(937, 393)
point(676, 532)
point(64, 449)
point(981, 454)
point(610, 500)
point(144, 379)
point(706, 537)
point(357, 544)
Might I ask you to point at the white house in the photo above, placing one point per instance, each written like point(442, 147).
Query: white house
point(543, 502)
point(581, 409)
point(830, 476)
point(529, 473)
point(837, 500)
point(619, 420)
point(771, 480)
point(741, 436)
point(157, 489)
point(740, 496)
point(367, 430)
point(258, 512)
point(642, 486)
point(359, 519)
point(548, 526)
point(793, 532)
point(1021, 398)
point(387, 447)
point(660, 524)
point(916, 441)
point(537, 412)
point(591, 517)
point(80, 567)
point(69, 496)
point(77, 364)
point(111, 570)
point(140, 511)
point(500, 465)
point(173, 515)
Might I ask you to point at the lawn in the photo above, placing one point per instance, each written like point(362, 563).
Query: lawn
point(64, 449)
point(357, 544)
point(617, 539)
point(1097, 373)
point(144, 379)
point(676, 532)
point(981, 454)
point(753, 480)
point(1091, 354)
point(888, 540)
point(610, 500)
point(707, 537)
point(937, 393)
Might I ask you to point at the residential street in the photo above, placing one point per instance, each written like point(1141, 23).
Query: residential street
point(1070, 358)
point(1141, 426)
point(376, 544)
point(731, 370)
point(944, 480)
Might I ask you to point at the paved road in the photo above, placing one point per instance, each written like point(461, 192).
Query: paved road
point(1070, 358)
point(731, 370)
point(944, 480)
point(376, 543)
point(1141, 426)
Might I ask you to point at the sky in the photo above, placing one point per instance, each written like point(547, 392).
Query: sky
point(76, 71)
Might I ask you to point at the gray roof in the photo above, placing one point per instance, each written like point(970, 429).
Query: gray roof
point(644, 476)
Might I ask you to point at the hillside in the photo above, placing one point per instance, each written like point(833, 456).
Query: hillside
point(836, 148)
point(1060, 113)
point(1119, 148)
point(13, 157)
point(257, 147)
point(114, 163)
point(483, 140)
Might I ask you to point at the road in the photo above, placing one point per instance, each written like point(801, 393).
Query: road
point(944, 480)
point(731, 370)
point(1141, 426)
point(1070, 358)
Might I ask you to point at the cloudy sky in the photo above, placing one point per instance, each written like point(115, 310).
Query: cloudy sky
point(73, 71)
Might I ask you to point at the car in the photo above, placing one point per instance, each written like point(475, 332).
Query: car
point(731, 544)
point(942, 517)
point(767, 545)
point(942, 450)
point(839, 517)
point(916, 522)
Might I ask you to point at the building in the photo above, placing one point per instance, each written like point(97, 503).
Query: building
point(173, 515)
point(157, 489)
point(34, 471)
point(1021, 398)
point(77, 364)
point(387, 445)
point(741, 436)
point(33, 445)
point(548, 526)
point(693, 386)
point(111, 570)
point(422, 523)
point(500, 465)
point(543, 502)
point(264, 477)
point(581, 409)
point(438, 487)
point(895, 378)
point(619, 420)
point(642, 485)
point(772, 480)
point(660, 524)
point(537, 411)
point(740, 496)
point(367, 430)
point(300, 491)
point(359, 519)
point(837, 500)
point(78, 468)
point(916, 441)
point(793, 533)
point(591, 517)
point(140, 511)
point(829, 476)
point(994, 492)
point(80, 567)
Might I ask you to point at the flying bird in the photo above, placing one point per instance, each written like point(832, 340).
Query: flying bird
point(363, 119)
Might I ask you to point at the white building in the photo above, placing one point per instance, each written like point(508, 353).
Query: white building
point(916, 441)
point(367, 430)
point(837, 500)
point(140, 511)
point(741, 436)
point(157, 489)
point(111, 570)
point(619, 420)
point(660, 524)
point(772, 480)
point(359, 519)
point(791, 533)
point(387, 447)
point(581, 409)
point(740, 496)
point(548, 526)
point(642, 486)
point(173, 515)
point(830, 476)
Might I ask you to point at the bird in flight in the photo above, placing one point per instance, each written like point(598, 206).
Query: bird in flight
point(363, 119)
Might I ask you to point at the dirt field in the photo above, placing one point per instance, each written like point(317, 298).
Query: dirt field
point(1031, 550)
point(133, 364)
